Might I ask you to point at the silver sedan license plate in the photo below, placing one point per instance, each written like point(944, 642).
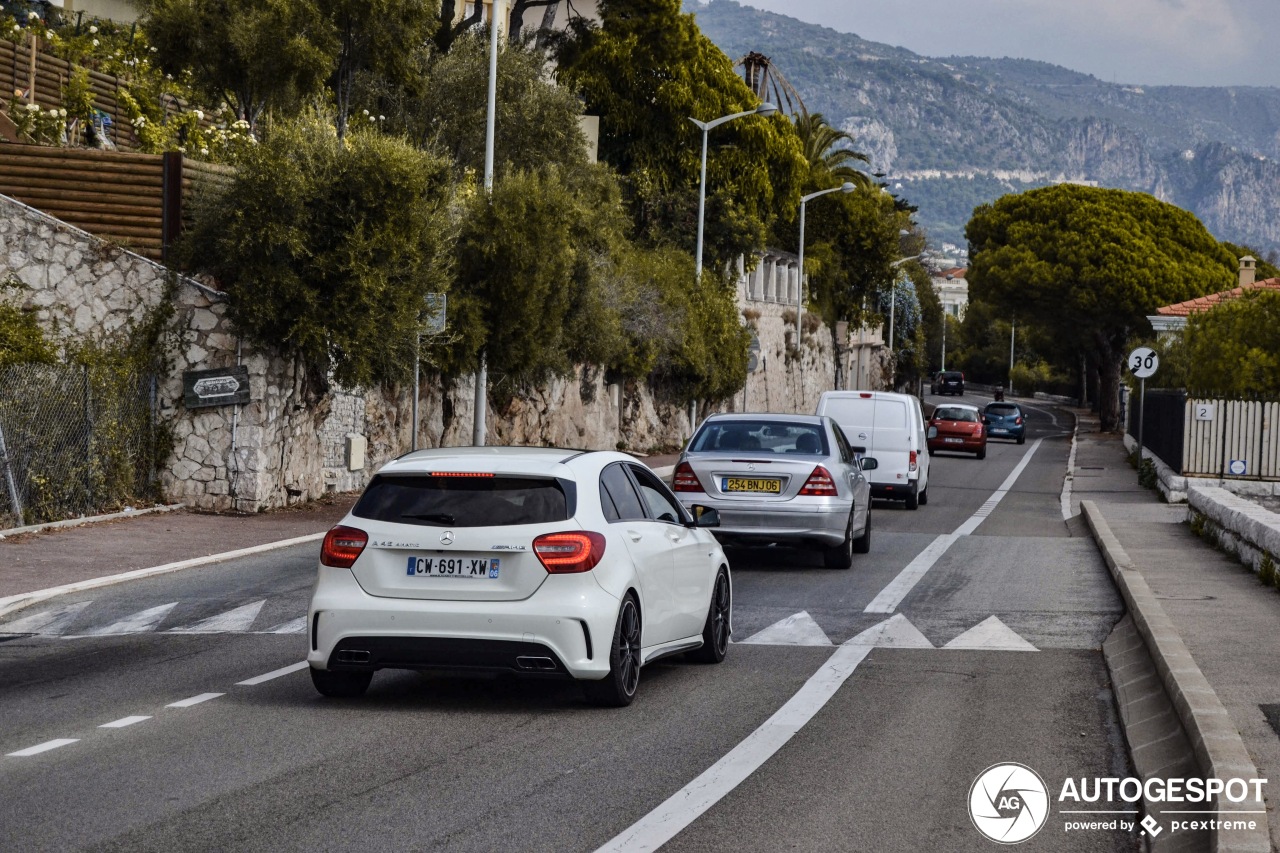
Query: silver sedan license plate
point(464, 566)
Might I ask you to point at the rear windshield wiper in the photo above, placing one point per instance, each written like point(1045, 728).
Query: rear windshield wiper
point(439, 517)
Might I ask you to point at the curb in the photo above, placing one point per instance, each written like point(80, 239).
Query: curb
point(1216, 742)
point(92, 519)
point(26, 599)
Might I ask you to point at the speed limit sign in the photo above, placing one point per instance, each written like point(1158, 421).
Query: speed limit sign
point(1143, 362)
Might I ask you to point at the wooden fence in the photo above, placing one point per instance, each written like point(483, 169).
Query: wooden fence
point(139, 201)
point(1231, 438)
point(49, 75)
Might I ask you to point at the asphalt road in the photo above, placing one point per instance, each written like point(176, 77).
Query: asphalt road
point(882, 761)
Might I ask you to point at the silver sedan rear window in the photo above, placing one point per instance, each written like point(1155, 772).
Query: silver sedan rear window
point(761, 436)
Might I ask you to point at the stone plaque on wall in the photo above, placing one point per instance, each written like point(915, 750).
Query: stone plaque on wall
point(221, 386)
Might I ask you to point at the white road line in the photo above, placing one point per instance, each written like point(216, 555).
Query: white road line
point(900, 587)
point(1071, 474)
point(194, 700)
point(686, 805)
point(275, 673)
point(43, 747)
point(122, 722)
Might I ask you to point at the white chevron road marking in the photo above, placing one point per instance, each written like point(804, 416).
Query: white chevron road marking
point(798, 629)
point(991, 635)
point(896, 632)
point(48, 623)
point(140, 622)
point(238, 620)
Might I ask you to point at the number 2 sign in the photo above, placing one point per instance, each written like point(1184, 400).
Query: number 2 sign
point(1143, 362)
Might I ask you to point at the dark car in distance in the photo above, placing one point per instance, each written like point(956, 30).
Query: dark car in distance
point(1005, 420)
point(948, 382)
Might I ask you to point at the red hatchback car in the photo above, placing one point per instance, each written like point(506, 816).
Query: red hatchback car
point(957, 427)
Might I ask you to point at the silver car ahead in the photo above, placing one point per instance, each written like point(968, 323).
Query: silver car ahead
point(780, 479)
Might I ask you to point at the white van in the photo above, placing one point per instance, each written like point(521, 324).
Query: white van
point(891, 428)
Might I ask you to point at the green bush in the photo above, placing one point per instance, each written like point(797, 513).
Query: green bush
point(1267, 571)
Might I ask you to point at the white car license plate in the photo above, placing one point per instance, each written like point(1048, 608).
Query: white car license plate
point(954, 440)
point(465, 566)
point(998, 430)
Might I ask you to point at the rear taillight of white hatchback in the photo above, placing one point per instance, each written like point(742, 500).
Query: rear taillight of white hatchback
point(570, 552)
point(342, 546)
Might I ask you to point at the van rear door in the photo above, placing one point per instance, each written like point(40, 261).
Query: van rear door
point(893, 442)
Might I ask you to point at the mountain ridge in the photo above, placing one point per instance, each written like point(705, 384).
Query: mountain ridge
point(953, 132)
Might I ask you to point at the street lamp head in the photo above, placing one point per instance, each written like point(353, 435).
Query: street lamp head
point(847, 187)
point(766, 109)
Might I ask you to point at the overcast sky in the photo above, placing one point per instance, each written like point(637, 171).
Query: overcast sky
point(1151, 42)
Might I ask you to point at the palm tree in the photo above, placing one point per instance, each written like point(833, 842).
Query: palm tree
point(825, 153)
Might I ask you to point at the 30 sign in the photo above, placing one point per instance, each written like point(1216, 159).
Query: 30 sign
point(1143, 362)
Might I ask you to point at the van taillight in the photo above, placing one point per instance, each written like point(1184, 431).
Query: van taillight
point(569, 553)
point(911, 463)
point(342, 545)
point(685, 480)
point(820, 484)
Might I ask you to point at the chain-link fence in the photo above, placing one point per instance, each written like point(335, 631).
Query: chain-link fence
point(74, 440)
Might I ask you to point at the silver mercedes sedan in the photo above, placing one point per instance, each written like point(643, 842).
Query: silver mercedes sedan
point(780, 479)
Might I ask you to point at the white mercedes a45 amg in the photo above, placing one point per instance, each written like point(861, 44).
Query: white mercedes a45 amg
point(536, 561)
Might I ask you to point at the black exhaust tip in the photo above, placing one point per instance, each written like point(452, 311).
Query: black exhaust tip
point(356, 656)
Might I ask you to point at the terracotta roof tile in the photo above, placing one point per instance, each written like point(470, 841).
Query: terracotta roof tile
point(1204, 303)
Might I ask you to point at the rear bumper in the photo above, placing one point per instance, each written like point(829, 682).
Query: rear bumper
point(1009, 432)
point(893, 491)
point(823, 526)
point(965, 445)
point(569, 621)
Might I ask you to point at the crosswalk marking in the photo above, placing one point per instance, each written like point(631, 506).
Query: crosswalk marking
point(47, 623)
point(237, 620)
point(144, 620)
point(896, 632)
point(799, 629)
point(993, 635)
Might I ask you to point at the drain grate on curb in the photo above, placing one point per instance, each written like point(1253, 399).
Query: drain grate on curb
point(1272, 713)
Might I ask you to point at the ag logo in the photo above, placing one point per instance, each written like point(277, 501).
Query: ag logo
point(1008, 803)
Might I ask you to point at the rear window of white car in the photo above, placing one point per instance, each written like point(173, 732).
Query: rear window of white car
point(471, 500)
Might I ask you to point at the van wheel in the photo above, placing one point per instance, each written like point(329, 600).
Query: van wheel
point(913, 499)
point(924, 496)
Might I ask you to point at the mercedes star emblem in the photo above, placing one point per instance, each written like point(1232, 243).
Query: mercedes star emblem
point(446, 538)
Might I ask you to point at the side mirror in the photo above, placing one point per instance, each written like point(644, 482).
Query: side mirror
point(868, 463)
point(705, 516)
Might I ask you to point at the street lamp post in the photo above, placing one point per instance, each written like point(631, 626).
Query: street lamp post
point(893, 302)
point(765, 109)
point(478, 427)
point(846, 187)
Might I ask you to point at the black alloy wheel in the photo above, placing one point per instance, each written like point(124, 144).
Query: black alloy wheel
point(715, 633)
point(618, 688)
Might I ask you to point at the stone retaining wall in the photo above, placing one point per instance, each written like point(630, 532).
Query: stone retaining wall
point(278, 448)
point(1241, 526)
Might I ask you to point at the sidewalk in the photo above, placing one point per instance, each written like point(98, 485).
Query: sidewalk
point(35, 561)
point(1228, 621)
